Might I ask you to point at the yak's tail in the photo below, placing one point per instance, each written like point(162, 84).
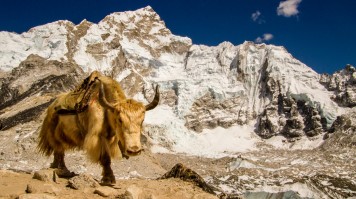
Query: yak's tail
point(46, 134)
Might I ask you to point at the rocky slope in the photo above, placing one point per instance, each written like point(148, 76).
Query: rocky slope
point(29, 88)
point(226, 100)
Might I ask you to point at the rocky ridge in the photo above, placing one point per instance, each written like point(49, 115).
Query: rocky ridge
point(342, 83)
point(29, 88)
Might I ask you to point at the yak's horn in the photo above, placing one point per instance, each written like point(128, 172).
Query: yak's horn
point(102, 98)
point(155, 101)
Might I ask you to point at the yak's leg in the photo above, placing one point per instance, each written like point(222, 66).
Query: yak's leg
point(58, 163)
point(108, 174)
point(96, 143)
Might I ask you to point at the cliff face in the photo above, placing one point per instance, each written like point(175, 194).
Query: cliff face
point(263, 84)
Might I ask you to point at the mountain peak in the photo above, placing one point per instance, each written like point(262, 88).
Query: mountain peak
point(147, 8)
point(136, 15)
point(85, 21)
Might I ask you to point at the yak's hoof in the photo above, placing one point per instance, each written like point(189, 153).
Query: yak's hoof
point(65, 173)
point(53, 166)
point(108, 180)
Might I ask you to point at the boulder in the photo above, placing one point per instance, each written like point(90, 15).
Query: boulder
point(82, 181)
point(46, 175)
point(106, 191)
point(43, 188)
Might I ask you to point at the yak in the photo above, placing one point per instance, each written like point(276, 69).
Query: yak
point(98, 118)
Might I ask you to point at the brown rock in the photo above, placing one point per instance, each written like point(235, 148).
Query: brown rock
point(36, 196)
point(133, 192)
point(82, 181)
point(106, 191)
point(42, 188)
point(46, 175)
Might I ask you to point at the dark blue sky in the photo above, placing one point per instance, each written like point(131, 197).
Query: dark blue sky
point(320, 33)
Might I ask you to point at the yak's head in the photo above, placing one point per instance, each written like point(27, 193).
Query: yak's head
point(128, 116)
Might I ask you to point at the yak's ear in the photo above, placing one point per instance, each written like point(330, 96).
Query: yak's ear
point(102, 98)
point(155, 101)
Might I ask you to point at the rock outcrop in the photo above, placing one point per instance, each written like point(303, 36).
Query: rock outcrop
point(342, 133)
point(342, 84)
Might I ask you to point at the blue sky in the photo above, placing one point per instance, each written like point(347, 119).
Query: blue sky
point(320, 33)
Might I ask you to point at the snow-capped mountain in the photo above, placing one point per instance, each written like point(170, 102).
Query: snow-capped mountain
point(257, 87)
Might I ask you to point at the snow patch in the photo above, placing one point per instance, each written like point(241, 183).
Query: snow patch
point(304, 142)
point(218, 142)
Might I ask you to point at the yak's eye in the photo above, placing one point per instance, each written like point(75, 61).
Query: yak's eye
point(119, 120)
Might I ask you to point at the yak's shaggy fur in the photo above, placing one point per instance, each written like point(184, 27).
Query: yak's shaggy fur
point(108, 121)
